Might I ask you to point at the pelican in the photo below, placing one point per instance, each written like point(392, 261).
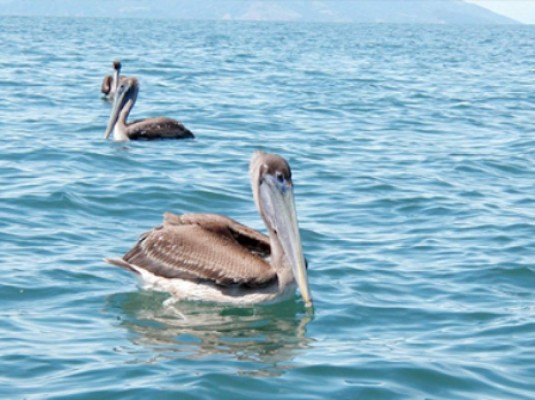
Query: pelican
point(110, 82)
point(148, 128)
point(208, 257)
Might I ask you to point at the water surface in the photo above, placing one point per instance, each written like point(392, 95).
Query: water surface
point(412, 155)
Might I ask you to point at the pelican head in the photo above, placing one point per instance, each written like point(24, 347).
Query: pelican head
point(117, 65)
point(126, 92)
point(271, 180)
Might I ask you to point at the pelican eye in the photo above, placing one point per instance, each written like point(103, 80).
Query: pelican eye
point(279, 176)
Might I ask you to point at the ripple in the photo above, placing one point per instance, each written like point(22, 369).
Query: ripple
point(412, 160)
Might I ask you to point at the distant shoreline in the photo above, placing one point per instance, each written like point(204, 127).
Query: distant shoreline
point(436, 12)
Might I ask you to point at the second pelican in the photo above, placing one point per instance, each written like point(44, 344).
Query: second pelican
point(207, 257)
point(111, 82)
point(142, 129)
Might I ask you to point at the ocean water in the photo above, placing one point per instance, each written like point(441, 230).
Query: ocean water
point(412, 149)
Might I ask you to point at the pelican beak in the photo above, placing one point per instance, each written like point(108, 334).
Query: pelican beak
point(116, 73)
point(278, 200)
point(115, 110)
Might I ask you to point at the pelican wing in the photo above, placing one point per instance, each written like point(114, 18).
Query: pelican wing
point(203, 247)
point(250, 239)
point(157, 128)
point(106, 84)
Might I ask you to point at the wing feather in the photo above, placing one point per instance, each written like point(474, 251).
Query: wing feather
point(158, 128)
point(106, 84)
point(203, 247)
point(256, 242)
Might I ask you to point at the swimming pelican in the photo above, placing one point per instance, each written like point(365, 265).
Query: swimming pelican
point(147, 128)
point(208, 257)
point(110, 82)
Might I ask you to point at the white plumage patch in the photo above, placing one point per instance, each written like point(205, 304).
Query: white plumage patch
point(182, 289)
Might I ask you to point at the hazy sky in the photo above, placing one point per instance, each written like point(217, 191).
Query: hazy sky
point(521, 10)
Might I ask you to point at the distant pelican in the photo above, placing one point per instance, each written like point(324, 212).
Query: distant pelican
point(208, 257)
point(110, 82)
point(147, 128)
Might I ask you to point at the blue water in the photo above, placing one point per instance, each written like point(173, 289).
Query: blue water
point(412, 150)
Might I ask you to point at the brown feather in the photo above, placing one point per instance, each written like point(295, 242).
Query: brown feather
point(106, 84)
point(204, 247)
point(157, 128)
point(254, 241)
point(119, 262)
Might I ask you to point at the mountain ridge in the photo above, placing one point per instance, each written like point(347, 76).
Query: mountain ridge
point(357, 11)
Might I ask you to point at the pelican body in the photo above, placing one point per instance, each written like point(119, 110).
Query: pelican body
point(208, 257)
point(142, 129)
point(111, 82)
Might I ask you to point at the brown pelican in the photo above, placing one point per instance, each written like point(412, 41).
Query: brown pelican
point(148, 128)
point(110, 82)
point(207, 257)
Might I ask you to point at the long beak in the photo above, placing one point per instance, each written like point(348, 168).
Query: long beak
point(114, 116)
point(116, 79)
point(281, 205)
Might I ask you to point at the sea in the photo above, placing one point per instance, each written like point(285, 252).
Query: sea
point(412, 154)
